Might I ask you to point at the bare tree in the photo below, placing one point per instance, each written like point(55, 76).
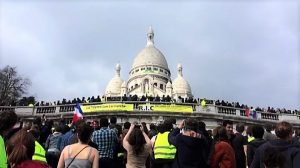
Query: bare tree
point(12, 85)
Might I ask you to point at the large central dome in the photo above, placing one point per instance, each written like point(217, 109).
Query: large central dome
point(150, 55)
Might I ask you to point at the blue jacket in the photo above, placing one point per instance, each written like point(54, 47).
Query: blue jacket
point(66, 139)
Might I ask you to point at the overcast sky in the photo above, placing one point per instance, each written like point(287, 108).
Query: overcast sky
point(236, 51)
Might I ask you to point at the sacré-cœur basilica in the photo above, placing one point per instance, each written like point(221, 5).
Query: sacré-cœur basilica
point(149, 76)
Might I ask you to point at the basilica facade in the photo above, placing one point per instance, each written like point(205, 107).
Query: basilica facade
point(149, 76)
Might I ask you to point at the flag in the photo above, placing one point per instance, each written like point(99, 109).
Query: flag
point(78, 114)
point(247, 112)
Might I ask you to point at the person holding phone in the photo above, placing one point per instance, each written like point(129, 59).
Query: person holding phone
point(138, 146)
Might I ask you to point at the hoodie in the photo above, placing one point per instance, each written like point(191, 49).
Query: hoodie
point(288, 150)
point(251, 148)
point(190, 150)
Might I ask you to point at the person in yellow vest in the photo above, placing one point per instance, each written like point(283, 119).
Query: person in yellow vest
point(249, 133)
point(164, 152)
point(39, 151)
point(203, 103)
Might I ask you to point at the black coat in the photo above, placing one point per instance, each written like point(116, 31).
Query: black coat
point(251, 149)
point(190, 151)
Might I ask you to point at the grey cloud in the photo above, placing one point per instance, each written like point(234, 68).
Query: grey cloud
point(247, 52)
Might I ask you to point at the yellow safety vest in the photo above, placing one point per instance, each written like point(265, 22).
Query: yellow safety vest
point(203, 103)
point(39, 153)
point(162, 148)
point(3, 158)
point(250, 138)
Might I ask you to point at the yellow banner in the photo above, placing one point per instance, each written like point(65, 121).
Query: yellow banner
point(107, 107)
point(165, 108)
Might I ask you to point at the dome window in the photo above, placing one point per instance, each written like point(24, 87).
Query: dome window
point(160, 70)
point(155, 84)
point(155, 69)
point(148, 68)
point(142, 68)
point(161, 86)
point(137, 70)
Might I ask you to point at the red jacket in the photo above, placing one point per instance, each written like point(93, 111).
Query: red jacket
point(32, 164)
point(223, 156)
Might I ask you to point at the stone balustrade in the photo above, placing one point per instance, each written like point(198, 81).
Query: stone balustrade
point(209, 112)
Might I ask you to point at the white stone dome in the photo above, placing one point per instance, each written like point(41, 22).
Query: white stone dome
point(114, 86)
point(181, 86)
point(150, 55)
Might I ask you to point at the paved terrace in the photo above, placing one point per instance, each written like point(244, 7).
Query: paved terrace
point(144, 111)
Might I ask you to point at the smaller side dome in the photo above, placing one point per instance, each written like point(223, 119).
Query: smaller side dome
point(114, 86)
point(180, 85)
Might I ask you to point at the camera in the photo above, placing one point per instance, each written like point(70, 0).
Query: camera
point(137, 126)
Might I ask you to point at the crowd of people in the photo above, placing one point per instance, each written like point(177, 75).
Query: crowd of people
point(267, 110)
point(105, 143)
point(94, 99)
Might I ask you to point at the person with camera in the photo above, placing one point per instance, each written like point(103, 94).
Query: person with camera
point(138, 147)
point(190, 145)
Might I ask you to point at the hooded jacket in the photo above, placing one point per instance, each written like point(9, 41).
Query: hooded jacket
point(251, 149)
point(288, 150)
point(190, 150)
